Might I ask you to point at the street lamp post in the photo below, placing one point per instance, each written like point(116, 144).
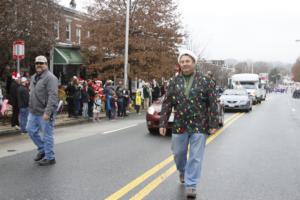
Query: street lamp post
point(126, 45)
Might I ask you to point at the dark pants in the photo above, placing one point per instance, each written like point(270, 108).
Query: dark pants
point(77, 106)
point(90, 108)
point(70, 106)
point(137, 107)
point(109, 114)
point(124, 107)
point(120, 108)
point(15, 116)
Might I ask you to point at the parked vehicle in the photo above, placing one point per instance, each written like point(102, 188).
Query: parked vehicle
point(264, 81)
point(236, 99)
point(251, 83)
point(153, 116)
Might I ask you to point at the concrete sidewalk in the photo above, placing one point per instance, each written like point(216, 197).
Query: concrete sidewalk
point(61, 120)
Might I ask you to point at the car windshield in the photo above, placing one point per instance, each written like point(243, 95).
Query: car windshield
point(248, 85)
point(235, 92)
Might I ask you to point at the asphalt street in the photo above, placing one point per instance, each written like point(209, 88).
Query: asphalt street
point(255, 156)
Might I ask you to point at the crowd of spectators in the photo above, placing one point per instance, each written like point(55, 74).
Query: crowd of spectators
point(79, 98)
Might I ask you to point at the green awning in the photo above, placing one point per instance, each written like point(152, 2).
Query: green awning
point(67, 56)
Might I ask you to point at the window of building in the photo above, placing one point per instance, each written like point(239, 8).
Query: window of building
point(68, 31)
point(56, 30)
point(78, 34)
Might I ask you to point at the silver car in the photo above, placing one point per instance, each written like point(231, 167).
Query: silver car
point(236, 99)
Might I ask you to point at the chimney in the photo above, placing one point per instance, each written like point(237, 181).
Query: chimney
point(73, 4)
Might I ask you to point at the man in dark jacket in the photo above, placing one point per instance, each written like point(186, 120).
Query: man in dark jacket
point(13, 100)
point(146, 95)
point(43, 102)
point(23, 102)
point(91, 94)
point(155, 91)
point(193, 96)
point(70, 92)
point(120, 100)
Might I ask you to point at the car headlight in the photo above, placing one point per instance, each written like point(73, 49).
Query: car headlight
point(151, 111)
point(243, 102)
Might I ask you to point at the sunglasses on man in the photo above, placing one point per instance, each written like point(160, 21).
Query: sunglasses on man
point(39, 63)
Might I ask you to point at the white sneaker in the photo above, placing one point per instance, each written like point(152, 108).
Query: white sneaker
point(17, 127)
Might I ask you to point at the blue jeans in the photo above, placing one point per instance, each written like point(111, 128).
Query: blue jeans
point(85, 110)
point(191, 167)
point(35, 124)
point(23, 115)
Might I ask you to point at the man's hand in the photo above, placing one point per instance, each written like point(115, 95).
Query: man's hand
point(46, 117)
point(162, 131)
point(212, 131)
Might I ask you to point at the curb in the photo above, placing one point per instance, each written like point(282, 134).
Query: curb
point(60, 123)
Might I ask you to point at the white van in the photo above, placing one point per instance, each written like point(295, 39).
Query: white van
point(250, 82)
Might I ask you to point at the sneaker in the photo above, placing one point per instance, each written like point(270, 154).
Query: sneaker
point(46, 162)
point(17, 127)
point(39, 157)
point(191, 193)
point(181, 178)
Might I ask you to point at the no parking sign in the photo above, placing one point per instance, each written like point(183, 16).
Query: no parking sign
point(18, 50)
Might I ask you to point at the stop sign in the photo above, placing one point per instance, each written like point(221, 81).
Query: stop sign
point(18, 50)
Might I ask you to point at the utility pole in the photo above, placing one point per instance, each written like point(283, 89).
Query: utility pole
point(126, 45)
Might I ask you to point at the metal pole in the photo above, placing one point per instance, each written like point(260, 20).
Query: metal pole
point(18, 65)
point(252, 68)
point(126, 45)
point(52, 59)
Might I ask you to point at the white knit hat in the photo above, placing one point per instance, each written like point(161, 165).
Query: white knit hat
point(187, 52)
point(41, 59)
point(23, 79)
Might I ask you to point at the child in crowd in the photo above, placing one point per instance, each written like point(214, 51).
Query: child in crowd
point(97, 108)
point(85, 100)
point(138, 102)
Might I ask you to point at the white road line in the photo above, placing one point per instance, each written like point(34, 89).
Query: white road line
point(107, 132)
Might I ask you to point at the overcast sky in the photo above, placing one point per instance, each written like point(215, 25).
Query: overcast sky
point(258, 30)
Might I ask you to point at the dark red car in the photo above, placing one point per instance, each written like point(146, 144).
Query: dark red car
point(153, 116)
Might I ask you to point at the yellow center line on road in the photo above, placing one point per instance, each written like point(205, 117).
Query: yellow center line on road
point(134, 183)
point(212, 137)
point(161, 178)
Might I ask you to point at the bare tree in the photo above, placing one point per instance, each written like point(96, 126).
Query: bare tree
point(153, 37)
point(30, 20)
point(296, 71)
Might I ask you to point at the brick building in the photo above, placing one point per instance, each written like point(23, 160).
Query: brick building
point(66, 58)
